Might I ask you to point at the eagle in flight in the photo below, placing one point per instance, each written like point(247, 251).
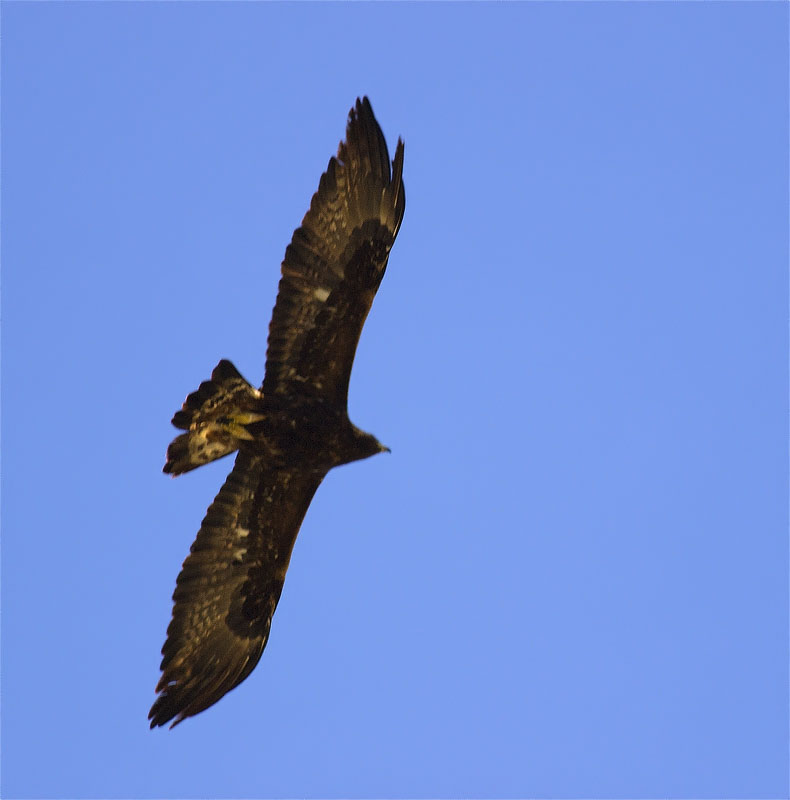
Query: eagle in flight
point(289, 433)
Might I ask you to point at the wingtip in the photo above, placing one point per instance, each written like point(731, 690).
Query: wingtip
point(160, 723)
point(362, 104)
point(361, 113)
point(155, 721)
point(397, 162)
point(160, 715)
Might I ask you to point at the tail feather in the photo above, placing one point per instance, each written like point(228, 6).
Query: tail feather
point(213, 417)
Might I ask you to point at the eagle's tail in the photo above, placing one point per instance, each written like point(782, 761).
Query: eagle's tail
point(214, 418)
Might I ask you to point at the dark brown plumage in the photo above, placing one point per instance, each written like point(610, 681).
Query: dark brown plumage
point(289, 434)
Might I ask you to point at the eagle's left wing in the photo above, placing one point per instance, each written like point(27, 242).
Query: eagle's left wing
point(229, 586)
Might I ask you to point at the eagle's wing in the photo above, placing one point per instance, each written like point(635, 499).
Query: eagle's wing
point(334, 265)
point(229, 586)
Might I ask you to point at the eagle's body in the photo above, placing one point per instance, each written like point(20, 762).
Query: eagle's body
point(289, 433)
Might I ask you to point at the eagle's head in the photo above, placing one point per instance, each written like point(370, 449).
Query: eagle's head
point(362, 445)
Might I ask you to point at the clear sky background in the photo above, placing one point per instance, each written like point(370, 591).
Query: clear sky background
point(570, 578)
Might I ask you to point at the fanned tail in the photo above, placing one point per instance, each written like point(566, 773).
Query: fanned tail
point(214, 417)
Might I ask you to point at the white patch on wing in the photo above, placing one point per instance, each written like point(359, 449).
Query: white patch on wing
point(320, 294)
point(242, 533)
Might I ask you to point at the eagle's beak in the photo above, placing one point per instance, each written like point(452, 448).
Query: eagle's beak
point(384, 449)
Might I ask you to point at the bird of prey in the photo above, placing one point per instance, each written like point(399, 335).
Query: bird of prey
point(289, 433)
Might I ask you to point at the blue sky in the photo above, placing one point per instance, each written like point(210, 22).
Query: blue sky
point(570, 578)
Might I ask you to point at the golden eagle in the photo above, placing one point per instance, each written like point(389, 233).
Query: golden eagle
point(289, 434)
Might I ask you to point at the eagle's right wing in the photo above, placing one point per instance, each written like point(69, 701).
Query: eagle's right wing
point(334, 265)
point(229, 586)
